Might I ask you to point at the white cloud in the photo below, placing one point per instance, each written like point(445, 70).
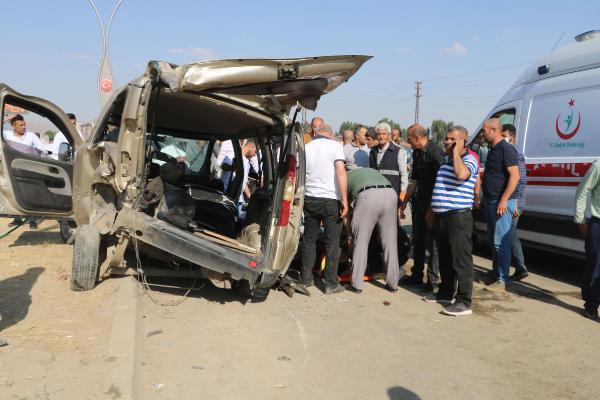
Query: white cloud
point(456, 49)
point(198, 52)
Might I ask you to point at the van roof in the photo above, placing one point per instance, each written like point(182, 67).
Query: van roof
point(574, 57)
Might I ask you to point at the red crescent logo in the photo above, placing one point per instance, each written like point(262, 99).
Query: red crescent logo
point(106, 85)
point(568, 136)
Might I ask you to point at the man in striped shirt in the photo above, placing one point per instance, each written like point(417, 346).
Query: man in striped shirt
point(450, 214)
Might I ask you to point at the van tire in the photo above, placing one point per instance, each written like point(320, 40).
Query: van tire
point(86, 258)
point(242, 287)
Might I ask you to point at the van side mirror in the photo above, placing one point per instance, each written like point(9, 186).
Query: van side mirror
point(65, 152)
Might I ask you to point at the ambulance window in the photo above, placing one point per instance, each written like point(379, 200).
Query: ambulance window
point(506, 116)
point(479, 145)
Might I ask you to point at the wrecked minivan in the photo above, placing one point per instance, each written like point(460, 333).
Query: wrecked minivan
point(145, 180)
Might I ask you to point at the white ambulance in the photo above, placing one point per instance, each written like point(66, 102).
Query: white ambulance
point(555, 107)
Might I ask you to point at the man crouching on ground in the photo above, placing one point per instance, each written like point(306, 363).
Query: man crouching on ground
point(374, 201)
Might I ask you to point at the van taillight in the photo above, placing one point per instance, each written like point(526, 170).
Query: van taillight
point(288, 193)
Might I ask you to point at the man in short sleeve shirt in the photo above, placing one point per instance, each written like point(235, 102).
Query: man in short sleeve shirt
point(451, 204)
point(325, 201)
point(500, 181)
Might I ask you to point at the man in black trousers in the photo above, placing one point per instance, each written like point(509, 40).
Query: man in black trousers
point(427, 158)
point(450, 213)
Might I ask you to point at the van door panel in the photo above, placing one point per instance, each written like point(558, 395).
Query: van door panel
point(31, 182)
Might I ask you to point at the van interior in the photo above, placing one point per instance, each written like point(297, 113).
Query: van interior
point(185, 187)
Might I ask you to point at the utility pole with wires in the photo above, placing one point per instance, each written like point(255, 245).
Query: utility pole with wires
point(417, 96)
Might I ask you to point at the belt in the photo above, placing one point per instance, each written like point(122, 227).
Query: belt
point(375, 187)
point(594, 219)
point(452, 212)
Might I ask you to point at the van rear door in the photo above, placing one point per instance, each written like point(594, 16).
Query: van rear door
point(284, 233)
point(276, 84)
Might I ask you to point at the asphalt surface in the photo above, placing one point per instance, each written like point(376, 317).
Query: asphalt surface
point(530, 343)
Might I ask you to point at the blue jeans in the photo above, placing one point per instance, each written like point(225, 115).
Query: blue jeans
point(499, 229)
point(517, 249)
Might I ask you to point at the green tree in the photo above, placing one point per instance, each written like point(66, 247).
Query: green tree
point(347, 125)
point(438, 130)
point(50, 135)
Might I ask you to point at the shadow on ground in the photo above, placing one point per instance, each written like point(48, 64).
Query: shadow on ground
point(169, 290)
point(15, 297)
point(560, 267)
point(402, 393)
point(46, 235)
point(523, 289)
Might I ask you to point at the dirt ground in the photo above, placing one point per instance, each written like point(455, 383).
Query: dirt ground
point(530, 343)
point(57, 338)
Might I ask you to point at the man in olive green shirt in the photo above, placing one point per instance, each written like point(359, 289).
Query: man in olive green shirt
point(590, 289)
point(374, 202)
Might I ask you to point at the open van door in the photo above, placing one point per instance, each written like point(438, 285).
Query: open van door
point(35, 180)
point(289, 198)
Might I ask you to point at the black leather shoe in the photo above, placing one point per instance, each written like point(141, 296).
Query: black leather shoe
point(352, 289)
point(15, 222)
point(519, 276)
point(391, 289)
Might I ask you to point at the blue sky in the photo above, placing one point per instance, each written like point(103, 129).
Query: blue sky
point(51, 48)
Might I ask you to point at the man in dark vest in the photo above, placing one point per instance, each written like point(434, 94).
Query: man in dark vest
point(390, 160)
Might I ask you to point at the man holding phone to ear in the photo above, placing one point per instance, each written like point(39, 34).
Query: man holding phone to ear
point(450, 214)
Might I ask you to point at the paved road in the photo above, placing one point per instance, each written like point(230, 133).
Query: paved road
point(528, 344)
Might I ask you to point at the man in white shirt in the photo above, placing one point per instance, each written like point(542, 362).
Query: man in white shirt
point(225, 163)
point(325, 201)
point(248, 151)
point(59, 138)
point(357, 151)
point(26, 142)
point(23, 140)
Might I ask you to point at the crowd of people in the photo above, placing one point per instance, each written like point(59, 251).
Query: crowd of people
point(367, 182)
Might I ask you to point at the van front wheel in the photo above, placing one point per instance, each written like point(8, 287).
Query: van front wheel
point(86, 258)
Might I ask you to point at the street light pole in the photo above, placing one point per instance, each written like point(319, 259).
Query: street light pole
point(105, 73)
